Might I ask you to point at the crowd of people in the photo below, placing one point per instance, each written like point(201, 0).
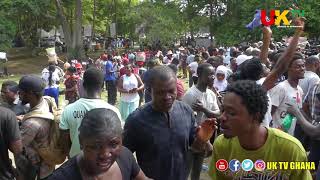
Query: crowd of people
point(176, 108)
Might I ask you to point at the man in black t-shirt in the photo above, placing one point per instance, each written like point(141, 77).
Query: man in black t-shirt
point(9, 140)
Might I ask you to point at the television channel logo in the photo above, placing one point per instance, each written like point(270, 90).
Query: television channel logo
point(234, 165)
point(222, 165)
point(247, 165)
point(260, 165)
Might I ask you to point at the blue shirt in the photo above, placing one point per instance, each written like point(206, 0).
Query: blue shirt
point(109, 76)
point(161, 146)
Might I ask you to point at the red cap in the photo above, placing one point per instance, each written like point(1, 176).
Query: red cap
point(78, 66)
point(140, 63)
point(125, 61)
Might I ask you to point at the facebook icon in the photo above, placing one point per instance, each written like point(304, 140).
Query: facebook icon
point(234, 165)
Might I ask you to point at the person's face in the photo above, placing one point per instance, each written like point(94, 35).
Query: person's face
point(164, 93)
point(209, 76)
point(233, 65)
point(79, 71)
point(24, 97)
point(317, 67)
point(296, 70)
point(100, 153)
point(7, 95)
point(69, 73)
point(220, 76)
point(128, 69)
point(235, 119)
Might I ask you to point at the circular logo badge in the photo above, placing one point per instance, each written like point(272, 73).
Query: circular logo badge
point(260, 165)
point(247, 165)
point(222, 165)
point(234, 165)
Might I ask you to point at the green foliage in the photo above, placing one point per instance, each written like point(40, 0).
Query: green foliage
point(162, 20)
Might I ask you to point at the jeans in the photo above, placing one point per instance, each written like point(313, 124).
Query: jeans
point(194, 165)
point(111, 87)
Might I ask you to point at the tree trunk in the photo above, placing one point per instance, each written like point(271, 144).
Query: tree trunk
point(77, 33)
point(65, 26)
point(211, 21)
point(94, 19)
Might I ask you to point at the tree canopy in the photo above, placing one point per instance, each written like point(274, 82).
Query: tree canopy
point(164, 21)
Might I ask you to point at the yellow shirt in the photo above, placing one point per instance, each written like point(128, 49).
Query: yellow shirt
point(279, 147)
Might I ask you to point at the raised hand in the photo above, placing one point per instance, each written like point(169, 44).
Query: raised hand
point(293, 109)
point(206, 129)
point(198, 106)
point(300, 22)
point(266, 30)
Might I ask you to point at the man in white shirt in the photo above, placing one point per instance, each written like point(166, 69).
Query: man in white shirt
point(192, 68)
point(310, 76)
point(204, 103)
point(287, 92)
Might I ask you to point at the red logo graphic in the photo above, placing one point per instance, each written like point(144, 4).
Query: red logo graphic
point(222, 165)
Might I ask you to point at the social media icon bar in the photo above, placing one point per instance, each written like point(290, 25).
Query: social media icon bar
point(234, 165)
point(247, 165)
point(260, 165)
point(222, 165)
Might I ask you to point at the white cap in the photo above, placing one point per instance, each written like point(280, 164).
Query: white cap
point(242, 58)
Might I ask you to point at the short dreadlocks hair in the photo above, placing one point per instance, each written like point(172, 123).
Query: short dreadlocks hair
point(253, 96)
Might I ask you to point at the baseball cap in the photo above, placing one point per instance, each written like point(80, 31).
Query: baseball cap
point(31, 83)
point(242, 58)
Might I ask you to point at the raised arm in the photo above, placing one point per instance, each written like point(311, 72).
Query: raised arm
point(285, 59)
point(266, 30)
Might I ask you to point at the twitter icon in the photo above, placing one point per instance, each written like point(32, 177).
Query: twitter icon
point(247, 165)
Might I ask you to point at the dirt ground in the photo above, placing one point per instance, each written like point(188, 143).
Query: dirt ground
point(20, 65)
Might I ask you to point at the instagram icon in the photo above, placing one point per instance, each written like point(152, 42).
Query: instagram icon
point(260, 165)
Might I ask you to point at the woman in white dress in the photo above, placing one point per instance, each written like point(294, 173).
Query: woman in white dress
point(129, 85)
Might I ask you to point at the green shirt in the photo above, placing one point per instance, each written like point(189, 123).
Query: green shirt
point(73, 114)
point(279, 147)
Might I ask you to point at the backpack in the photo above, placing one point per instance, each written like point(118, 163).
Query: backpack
point(54, 153)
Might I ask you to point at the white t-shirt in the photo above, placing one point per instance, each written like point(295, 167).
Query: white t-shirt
point(190, 58)
point(73, 114)
point(129, 83)
point(166, 60)
point(194, 66)
point(208, 99)
point(281, 95)
point(55, 78)
point(267, 117)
